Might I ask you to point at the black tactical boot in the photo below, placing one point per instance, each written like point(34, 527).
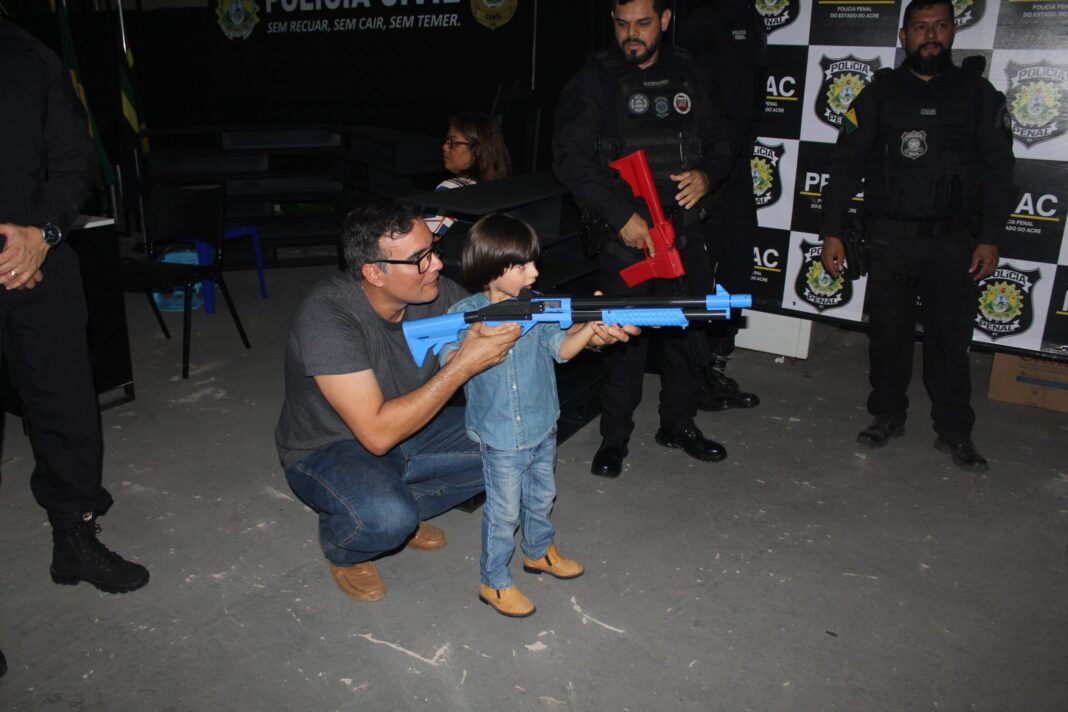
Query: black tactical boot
point(77, 555)
point(963, 452)
point(722, 391)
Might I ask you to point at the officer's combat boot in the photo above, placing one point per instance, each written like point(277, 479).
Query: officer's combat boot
point(77, 555)
point(722, 391)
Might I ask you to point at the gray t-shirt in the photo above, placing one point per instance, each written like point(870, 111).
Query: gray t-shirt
point(336, 331)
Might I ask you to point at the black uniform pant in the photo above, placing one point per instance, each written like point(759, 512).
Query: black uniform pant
point(730, 235)
point(624, 364)
point(43, 336)
point(934, 270)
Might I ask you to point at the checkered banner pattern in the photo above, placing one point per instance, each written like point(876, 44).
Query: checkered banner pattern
point(821, 54)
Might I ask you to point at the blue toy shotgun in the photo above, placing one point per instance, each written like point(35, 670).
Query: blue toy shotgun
point(432, 334)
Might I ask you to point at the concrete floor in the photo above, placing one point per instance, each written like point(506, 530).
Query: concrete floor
point(803, 573)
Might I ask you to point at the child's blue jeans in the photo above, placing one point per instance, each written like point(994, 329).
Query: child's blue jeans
point(520, 488)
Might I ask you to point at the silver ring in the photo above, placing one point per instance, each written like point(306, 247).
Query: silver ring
point(14, 273)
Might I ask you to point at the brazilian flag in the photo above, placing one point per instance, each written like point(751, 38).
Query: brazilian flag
point(849, 121)
point(131, 112)
point(131, 142)
point(105, 177)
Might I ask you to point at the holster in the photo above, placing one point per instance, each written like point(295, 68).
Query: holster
point(595, 233)
point(857, 250)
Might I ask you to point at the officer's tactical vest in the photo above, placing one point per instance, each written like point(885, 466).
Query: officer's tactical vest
point(926, 165)
point(656, 111)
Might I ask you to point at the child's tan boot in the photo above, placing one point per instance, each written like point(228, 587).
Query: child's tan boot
point(507, 601)
point(555, 564)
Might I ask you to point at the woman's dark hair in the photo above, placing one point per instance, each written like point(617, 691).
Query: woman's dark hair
point(492, 160)
point(495, 243)
point(366, 225)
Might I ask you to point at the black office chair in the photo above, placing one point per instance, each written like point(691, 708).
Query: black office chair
point(181, 214)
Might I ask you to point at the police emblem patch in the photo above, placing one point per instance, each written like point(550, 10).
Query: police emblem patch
point(764, 166)
point(913, 144)
point(966, 13)
point(1038, 100)
point(683, 103)
point(661, 107)
point(493, 13)
point(815, 285)
point(1006, 305)
point(777, 14)
point(638, 103)
point(237, 18)
point(843, 80)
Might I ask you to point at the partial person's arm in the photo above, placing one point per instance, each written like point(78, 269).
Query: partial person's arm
point(847, 175)
point(635, 233)
point(71, 155)
point(70, 162)
point(576, 340)
point(719, 147)
point(994, 138)
point(579, 124)
point(381, 424)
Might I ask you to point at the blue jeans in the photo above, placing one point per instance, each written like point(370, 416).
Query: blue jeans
point(370, 504)
point(520, 488)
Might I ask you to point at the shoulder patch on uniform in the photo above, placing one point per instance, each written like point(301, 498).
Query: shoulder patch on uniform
point(849, 121)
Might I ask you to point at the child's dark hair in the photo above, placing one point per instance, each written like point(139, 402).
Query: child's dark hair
point(495, 243)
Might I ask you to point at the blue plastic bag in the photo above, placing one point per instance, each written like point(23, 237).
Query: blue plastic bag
point(174, 301)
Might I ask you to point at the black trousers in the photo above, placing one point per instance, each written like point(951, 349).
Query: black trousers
point(934, 270)
point(624, 364)
point(730, 235)
point(43, 336)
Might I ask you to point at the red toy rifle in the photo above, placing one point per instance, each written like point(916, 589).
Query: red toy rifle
point(666, 263)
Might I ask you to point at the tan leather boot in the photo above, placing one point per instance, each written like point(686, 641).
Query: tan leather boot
point(359, 581)
point(507, 601)
point(427, 537)
point(555, 564)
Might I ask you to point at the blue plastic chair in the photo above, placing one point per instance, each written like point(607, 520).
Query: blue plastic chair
point(206, 255)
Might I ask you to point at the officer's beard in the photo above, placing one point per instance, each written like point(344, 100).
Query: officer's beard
point(634, 56)
point(931, 64)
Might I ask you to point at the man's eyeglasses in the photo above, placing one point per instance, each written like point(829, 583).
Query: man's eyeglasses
point(422, 262)
point(450, 142)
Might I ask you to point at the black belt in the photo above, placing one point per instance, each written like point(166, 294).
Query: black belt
point(917, 228)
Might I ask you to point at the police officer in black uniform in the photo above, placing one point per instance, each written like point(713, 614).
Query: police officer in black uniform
point(644, 95)
point(728, 40)
point(932, 143)
point(45, 175)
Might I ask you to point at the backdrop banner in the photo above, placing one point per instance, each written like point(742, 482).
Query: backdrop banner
point(821, 55)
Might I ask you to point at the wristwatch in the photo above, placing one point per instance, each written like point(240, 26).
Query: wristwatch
point(51, 234)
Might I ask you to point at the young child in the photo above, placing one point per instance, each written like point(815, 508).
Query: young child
point(512, 411)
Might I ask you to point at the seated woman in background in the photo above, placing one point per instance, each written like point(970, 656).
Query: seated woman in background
point(473, 151)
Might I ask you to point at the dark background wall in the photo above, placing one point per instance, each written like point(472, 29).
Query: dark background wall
point(300, 67)
point(189, 73)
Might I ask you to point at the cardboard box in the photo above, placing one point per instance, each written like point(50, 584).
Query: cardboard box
point(1026, 380)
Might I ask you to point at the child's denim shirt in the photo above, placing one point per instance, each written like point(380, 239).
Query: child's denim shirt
point(513, 405)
